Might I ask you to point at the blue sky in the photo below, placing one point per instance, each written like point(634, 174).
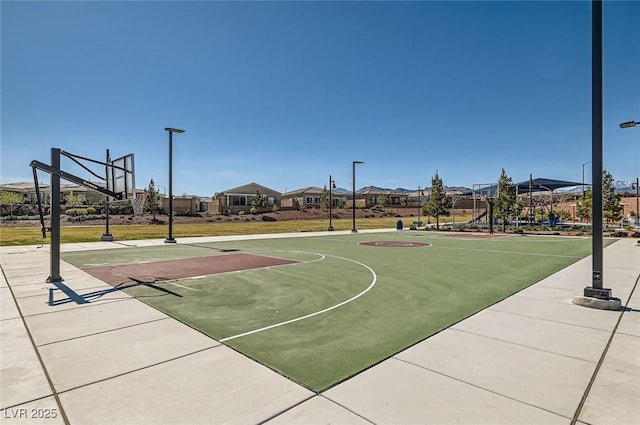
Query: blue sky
point(286, 93)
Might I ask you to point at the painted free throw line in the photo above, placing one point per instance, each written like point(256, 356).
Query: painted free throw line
point(373, 283)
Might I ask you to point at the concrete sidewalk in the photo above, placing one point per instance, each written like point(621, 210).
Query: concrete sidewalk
point(534, 358)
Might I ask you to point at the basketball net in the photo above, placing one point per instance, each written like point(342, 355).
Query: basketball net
point(138, 204)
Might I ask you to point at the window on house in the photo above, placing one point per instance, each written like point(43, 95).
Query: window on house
point(238, 200)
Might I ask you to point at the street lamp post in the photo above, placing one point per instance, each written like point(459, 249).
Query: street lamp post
point(419, 205)
point(583, 176)
point(170, 238)
point(637, 220)
point(353, 203)
point(107, 236)
point(332, 185)
point(630, 124)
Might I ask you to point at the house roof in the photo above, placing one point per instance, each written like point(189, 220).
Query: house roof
point(20, 186)
point(372, 190)
point(30, 186)
point(249, 189)
point(309, 190)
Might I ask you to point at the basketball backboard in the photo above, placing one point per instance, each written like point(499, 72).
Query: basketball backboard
point(121, 176)
point(485, 190)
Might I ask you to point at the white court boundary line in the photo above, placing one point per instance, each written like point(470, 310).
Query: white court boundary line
point(181, 286)
point(297, 319)
point(527, 238)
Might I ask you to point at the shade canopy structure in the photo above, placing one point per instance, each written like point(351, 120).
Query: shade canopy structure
point(541, 184)
point(538, 185)
point(620, 187)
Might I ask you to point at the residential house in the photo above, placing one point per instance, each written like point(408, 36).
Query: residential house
point(239, 199)
point(182, 205)
point(311, 197)
point(371, 195)
point(87, 195)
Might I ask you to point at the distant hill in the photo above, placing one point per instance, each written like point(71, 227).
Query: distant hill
point(449, 189)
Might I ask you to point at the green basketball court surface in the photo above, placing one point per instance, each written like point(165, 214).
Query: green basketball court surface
point(322, 309)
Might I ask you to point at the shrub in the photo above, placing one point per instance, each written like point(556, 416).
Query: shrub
point(81, 211)
point(71, 212)
point(253, 210)
point(274, 208)
point(91, 210)
point(240, 212)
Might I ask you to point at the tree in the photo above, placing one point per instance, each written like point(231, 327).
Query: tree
point(73, 200)
point(11, 199)
point(584, 206)
point(153, 198)
point(259, 201)
point(383, 201)
point(436, 206)
point(324, 199)
point(505, 205)
point(611, 208)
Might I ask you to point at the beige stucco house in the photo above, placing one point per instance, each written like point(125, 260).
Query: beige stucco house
point(370, 196)
point(239, 199)
point(311, 197)
point(87, 195)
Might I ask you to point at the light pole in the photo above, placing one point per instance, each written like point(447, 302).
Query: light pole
point(637, 201)
point(106, 236)
point(353, 203)
point(171, 131)
point(419, 205)
point(583, 177)
point(630, 124)
point(332, 185)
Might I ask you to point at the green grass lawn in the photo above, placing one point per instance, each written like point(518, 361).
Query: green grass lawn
point(413, 293)
point(12, 236)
